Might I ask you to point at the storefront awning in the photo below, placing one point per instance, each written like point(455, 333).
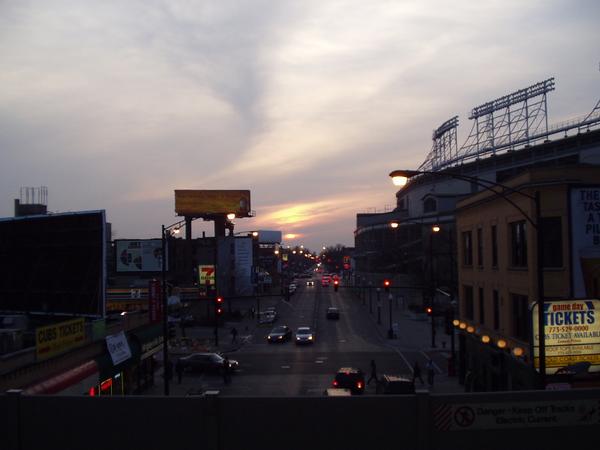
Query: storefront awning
point(62, 381)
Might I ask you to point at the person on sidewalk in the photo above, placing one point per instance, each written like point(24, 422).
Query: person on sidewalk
point(430, 372)
point(373, 372)
point(234, 334)
point(417, 372)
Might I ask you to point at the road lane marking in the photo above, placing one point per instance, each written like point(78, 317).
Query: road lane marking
point(435, 366)
point(285, 367)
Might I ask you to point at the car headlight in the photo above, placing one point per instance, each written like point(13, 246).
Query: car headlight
point(310, 338)
point(280, 337)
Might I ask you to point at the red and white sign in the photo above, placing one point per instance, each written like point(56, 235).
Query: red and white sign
point(207, 275)
point(154, 303)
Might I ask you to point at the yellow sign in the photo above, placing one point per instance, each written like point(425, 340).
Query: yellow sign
point(196, 203)
point(54, 339)
point(572, 333)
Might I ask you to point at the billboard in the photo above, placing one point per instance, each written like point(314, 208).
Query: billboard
point(55, 339)
point(53, 264)
point(199, 203)
point(268, 236)
point(243, 266)
point(572, 330)
point(585, 241)
point(139, 255)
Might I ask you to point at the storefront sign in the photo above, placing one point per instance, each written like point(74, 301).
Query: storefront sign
point(207, 275)
point(58, 338)
point(154, 303)
point(572, 331)
point(118, 347)
point(489, 416)
point(585, 241)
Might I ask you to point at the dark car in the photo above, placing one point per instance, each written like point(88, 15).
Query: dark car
point(333, 313)
point(350, 378)
point(281, 333)
point(206, 362)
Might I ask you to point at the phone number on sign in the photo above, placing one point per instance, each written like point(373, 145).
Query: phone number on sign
point(567, 329)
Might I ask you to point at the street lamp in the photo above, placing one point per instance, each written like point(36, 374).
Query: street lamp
point(400, 178)
point(434, 229)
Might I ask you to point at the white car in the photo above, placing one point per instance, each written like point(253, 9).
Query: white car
point(267, 317)
point(304, 335)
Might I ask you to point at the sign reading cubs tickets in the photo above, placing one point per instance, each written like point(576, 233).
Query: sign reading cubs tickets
point(572, 330)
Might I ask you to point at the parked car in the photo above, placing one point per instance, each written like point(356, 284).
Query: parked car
point(350, 378)
point(280, 333)
point(333, 313)
point(304, 335)
point(206, 362)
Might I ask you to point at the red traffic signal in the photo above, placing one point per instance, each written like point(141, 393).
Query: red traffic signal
point(336, 284)
point(429, 310)
point(219, 305)
point(386, 285)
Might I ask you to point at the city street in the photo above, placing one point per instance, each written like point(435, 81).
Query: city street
point(288, 369)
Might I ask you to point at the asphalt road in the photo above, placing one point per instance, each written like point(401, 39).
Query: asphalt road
point(287, 369)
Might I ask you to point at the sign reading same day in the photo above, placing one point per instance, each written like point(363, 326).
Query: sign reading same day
point(572, 330)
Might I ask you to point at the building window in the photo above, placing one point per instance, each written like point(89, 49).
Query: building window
point(468, 296)
point(520, 317)
point(480, 247)
point(494, 246)
point(467, 248)
point(496, 300)
point(552, 241)
point(518, 240)
point(429, 205)
point(481, 307)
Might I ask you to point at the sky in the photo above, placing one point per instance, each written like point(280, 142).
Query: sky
point(308, 104)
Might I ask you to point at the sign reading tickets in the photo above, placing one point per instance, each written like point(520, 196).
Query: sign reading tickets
point(572, 330)
point(54, 339)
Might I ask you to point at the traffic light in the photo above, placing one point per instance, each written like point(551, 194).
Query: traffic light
point(336, 284)
point(386, 285)
point(429, 310)
point(218, 306)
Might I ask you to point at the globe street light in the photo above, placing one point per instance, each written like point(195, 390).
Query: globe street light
point(400, 178)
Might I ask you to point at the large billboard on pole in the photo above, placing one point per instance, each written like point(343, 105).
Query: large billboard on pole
point(198, 203)
point(585, 241)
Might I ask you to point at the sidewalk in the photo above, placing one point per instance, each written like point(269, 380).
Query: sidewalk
point(413, 333)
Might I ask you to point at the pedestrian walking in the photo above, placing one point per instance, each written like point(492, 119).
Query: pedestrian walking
point(417, 372)
point(373, 372)
point(179, 370)
point(226, 371)
point(234, 334)
point(430, 372)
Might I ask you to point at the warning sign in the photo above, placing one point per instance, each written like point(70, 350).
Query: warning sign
point(487, 416)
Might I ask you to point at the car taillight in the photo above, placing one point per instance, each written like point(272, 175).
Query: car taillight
point(359, 385)
point(335, 383)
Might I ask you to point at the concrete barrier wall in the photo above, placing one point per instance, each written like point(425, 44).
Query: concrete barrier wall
point(421, 421)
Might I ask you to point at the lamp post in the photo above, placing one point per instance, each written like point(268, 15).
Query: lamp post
point(165, 304)
point(400, 178)
point(434, 229)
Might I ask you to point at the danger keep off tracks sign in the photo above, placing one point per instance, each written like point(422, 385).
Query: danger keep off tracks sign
point(487, 416)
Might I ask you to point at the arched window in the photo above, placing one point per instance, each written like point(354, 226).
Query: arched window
point(429, 205)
